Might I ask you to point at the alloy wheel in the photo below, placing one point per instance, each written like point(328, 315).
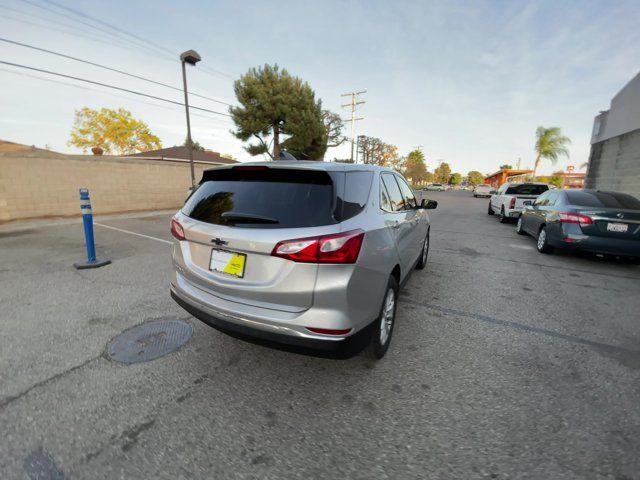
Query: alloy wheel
point(542, 239)
point(386, 322)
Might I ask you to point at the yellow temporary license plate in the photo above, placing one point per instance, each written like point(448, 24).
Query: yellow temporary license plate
point(231, 263)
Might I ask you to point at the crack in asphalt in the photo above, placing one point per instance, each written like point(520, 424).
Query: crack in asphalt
point(628, 357)
point(12, 398)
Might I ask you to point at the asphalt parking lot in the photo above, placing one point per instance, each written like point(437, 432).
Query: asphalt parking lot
point(505, 363)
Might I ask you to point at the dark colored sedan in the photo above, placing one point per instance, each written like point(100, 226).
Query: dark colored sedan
point(589, 220)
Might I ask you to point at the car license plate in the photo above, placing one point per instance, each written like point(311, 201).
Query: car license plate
point(231, 263)
point(617, 227)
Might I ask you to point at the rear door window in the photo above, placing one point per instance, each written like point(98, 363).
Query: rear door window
point(527, 189)
point(582, 198)
point(407, 193)
point(397, 200)
point(255, 197)
point(356, 193)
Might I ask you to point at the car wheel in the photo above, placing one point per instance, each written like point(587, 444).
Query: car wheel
point(503, 216)
point(424, 254)
point(383, 326)
point(543, 243)
point(519, 229)
point(490, 211)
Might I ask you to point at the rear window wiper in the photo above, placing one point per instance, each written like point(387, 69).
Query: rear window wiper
point(248, 218)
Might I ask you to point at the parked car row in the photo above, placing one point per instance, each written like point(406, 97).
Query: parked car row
point(576, 220)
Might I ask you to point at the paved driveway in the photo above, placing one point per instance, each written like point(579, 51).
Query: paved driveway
point(504, 364)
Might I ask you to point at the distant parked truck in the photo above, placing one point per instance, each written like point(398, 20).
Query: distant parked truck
point(508, 201)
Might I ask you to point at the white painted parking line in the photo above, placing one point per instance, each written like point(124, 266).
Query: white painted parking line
point(522, 247)
point(133, 233)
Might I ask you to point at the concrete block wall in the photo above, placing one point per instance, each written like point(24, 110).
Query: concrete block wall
point(40, 185)
point(614, 164)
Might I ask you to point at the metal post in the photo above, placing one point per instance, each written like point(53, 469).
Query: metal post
point(189, 141)
point(87, 222)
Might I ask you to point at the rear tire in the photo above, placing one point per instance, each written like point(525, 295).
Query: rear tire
point(424, 254)
point(543, 244)
point(490, 210)
point(383, 327)
point(519, 229)
point(503, 216)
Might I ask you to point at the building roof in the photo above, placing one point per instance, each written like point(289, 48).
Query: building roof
point(509, 172)
point(182, 153)
point(6, 146)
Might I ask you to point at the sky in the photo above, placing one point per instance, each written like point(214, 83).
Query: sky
point(468, 81)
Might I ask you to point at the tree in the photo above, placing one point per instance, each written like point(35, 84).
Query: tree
point(475, 178)
point(442, 173)
point(391, 158)
point(370, 150)
point(506, 166)
point(228, 156)
point(343, 160)
point(275, 105)
point(333, 126)
point(455, 179)
point(415, 168)
point(195, 145)
point(115, 131)
point(550, 144)
point(428, 178)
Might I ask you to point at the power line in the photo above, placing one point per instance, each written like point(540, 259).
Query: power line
point(69, 84)
point(353, 104)
point(63, 55)
point(155, 45)
point(110, 86)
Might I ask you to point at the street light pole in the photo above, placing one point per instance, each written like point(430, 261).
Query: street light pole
point(191, 57)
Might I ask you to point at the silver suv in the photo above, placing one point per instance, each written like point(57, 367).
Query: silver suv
point(307, 254)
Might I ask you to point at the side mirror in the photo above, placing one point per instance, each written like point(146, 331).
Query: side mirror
point(428, 204)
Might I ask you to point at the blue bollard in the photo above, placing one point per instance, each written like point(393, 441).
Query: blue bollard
point(87, 222)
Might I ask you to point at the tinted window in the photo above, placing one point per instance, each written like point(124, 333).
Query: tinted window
point(527, 189)
point(602, 199)
point(407, 193)
point(263, 198)
point(356, 193)
point(397, 201)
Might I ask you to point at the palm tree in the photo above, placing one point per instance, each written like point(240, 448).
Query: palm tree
point(550, 144)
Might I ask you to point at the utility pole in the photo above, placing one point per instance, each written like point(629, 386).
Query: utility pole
point(519, 161)
point(353, 104)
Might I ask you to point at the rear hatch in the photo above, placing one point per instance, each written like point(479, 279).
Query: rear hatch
point(236, 217)
point(244, 212)
point(612, 214)
point(524, 192)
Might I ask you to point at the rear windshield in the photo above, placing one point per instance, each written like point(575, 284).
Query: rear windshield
point(278, 198)
point(483, 186)
point(527, 190)
point(602, 199)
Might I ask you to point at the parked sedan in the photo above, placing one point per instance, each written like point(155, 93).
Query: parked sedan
point(483, 190)
point(589, 220)
point(435, 187)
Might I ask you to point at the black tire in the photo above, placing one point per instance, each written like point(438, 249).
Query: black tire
point(379, 342)
point(519, 229)
point(503, 217)
point(490, 210)
point(543, 244)
point(424, 253)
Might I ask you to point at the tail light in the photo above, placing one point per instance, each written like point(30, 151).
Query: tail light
point(177, 230)
point(575, 218)
point(336, 248)
point(512, 204)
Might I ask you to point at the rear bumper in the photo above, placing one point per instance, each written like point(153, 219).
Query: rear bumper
point(266, 331)
point(246, 331)
point(608, 246)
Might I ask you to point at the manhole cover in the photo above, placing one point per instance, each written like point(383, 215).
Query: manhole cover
point(149, 341)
